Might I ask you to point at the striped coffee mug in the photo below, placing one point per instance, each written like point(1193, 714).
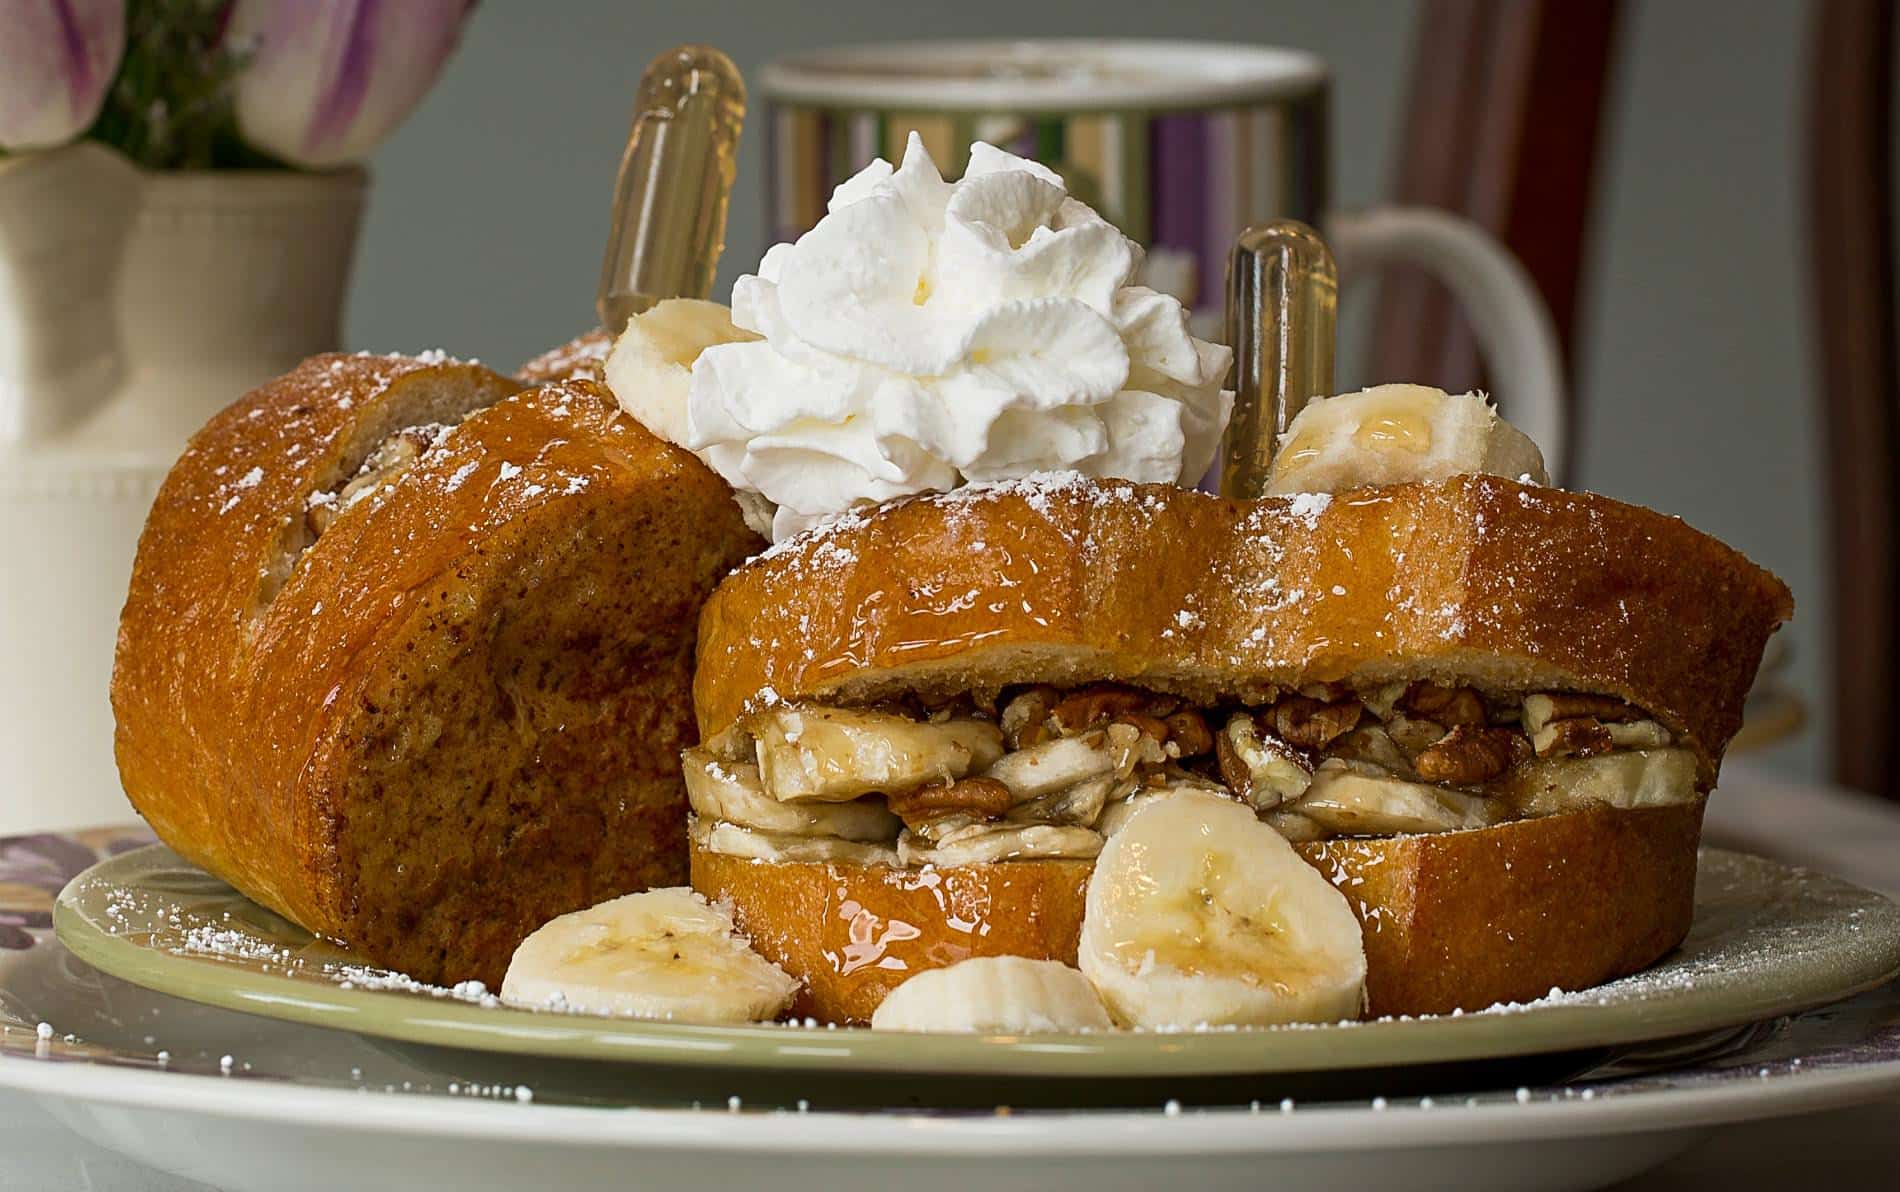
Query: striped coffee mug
point(1181, 144)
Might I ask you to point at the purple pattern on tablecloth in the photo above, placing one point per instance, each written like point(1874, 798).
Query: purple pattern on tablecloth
point(43, 863)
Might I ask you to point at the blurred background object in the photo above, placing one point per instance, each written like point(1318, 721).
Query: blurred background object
point(179, 204)
point(1505, 129)
point(325, 82)
point(60, 59)
point(1851, 213)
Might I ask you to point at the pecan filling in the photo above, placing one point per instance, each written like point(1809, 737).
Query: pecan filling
point(1043, 772)
point(391, 458)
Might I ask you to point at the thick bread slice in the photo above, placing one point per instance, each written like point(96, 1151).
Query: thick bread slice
point(853, 933)
point(1461, 920)
point(583, 358)
point(1477, 579)
point(458, 712)
point(1465, 920)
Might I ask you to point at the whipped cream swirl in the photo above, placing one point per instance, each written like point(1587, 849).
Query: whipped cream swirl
point(928, 333)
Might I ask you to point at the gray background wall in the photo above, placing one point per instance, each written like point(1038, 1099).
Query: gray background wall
point(490, 205)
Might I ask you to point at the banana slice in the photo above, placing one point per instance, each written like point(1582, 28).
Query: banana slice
point(732, 791)
point(1054, 765)
point(666, 954)
point(1198, 913)
point(1002, 842)
point(1080, 805)
point(1397, 433)
point(834, 755)
point(651, 366)
point(1637, 778)
point(1116, 815)
point(1348, 801)
point(1292, 825)
point(1639, 734)
point(717, 836)
point(994, 995)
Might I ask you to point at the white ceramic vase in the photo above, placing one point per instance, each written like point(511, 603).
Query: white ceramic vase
point(133, 306)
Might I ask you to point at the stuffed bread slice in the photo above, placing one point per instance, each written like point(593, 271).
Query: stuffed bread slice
point(1488, 711)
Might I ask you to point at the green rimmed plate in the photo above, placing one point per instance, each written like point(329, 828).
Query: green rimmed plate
point(1768, 940)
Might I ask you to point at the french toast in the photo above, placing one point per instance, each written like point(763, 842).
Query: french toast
point(407, 651)
point(1488, 711)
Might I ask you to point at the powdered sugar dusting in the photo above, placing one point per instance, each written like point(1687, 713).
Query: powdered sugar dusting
point(460, 475)
point(1308, 507)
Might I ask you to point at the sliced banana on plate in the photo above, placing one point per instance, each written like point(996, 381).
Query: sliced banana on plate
point(666, 954)
point(731, 791)
point(651, 366)
point(1199, 914)
point(994, 995)
point(1392, 434)
point(834, 755)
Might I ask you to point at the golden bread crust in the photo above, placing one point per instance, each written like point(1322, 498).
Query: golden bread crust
point(456, 713)
point(583, 358)
point(1465, 920)
point(1478, 579)
point(1459, 920)
point(853, 933)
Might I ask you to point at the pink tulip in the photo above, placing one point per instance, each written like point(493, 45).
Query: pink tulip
point(57, 58)
point(329, 79)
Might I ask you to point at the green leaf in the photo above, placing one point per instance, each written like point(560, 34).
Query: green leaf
point(170, 107)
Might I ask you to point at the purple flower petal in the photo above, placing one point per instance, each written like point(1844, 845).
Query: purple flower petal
point(57, 58)
point(330, 80)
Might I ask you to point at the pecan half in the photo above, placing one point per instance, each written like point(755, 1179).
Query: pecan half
point(1025, 718)
point(1148, 726)
point(1542, 709)
point(1233, 770)
point(1258, 767)
point(1415, 736)
point(984, 797)
point(1089, 706)
point(1449, 706)
point(1578, 736)
point(1310, 724)
point(1469, 756)
point(1189, 732)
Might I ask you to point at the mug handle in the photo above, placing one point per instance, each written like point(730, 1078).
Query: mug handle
point(1513, 325)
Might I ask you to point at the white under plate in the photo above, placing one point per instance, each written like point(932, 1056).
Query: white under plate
point(247, 1134)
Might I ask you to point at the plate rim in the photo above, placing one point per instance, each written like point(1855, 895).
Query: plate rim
point(790, 1049)
point(1056, 1133)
